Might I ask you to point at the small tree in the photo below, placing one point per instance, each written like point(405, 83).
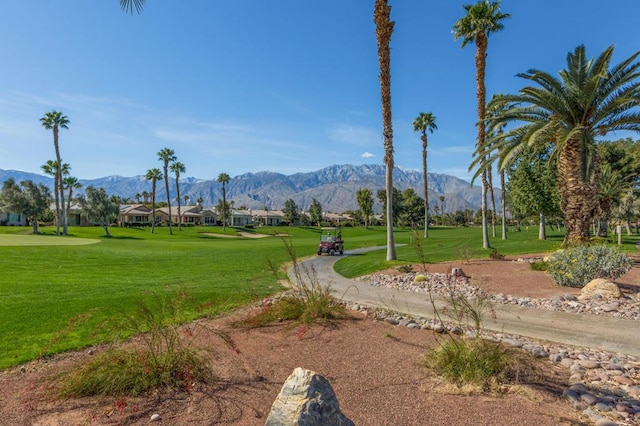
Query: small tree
point(99, 208)
point(291, 211)
point(28, 199)
point(315, 212)
point(365, 204)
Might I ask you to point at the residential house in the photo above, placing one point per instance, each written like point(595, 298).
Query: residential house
point(12, 219)
point(268, 217)
point(241, 217)
point(134, 215)
point(209, 217)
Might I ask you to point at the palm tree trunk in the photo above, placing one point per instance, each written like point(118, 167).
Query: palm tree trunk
point(224, 207)
point(493, 201)
point(384, 30)
point(166, 185)
point(153, 206)
point(578, 198)
point(503, 195)
point(424, 182)
point(57, 195)
point(481, 55)
point(178, 198)
point(485, 227)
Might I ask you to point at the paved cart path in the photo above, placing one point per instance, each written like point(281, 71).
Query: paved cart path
point(590, 331)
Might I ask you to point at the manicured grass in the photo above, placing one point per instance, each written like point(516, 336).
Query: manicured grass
point(55, 298)
point(446, 244)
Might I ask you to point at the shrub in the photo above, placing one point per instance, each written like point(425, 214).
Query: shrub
point(540, 265)
point(480, 362)
point(162, 356)
point(420, 278)
point(577, 265)
point(405, 269)
point(495, 255)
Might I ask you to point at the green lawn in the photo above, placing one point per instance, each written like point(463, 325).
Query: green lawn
point(57, 297)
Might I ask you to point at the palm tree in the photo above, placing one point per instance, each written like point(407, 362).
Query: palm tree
point(154, 175)
point(425, 121)
point(167, 155)
point(224, 178)
point(185, 198)
point(589, 99)
point(384, 30)
point(55, 120)
point(441, 198)
point(51, 168)
point(177, 168)
point(145, 197)
point(503, 192)
point(129, 5)
point(482, 19)
point(70, 183)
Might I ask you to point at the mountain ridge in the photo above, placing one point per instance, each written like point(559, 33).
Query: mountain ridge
point(334, 187)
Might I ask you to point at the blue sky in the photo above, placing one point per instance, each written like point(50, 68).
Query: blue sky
point(253, 85)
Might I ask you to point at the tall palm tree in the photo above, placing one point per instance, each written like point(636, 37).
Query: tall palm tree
point(177, 168)
point(384, 30)
point(55, 120)
point(154, 175)
point(70, 183)
point(425, 121)
point(589, 99)
point(224, 178)
point(167, 155)
point(481, 20)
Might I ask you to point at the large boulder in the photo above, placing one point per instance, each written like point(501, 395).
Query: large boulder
point(600, 288)
point(306, 399)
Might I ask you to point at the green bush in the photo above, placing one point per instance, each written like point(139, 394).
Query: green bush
point(540, 265)
point(479, 362)
point(576, 266)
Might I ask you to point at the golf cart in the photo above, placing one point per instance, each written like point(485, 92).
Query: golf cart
point(331, 241)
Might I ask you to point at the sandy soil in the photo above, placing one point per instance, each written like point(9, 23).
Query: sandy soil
point(374, 368)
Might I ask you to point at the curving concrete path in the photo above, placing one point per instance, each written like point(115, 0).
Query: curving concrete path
point(590, 331)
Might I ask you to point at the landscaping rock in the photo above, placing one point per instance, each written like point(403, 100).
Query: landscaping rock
point(306, 399)
point(600, 287)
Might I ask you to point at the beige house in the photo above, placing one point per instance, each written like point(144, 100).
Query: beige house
point(268, 217)
point(135, 215)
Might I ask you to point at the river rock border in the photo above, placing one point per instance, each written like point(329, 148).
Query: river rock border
point(604, 387)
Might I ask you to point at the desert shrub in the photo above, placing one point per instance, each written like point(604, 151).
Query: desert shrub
point(465, 252)
point(540, 265)
point(577, 265)
point(405, 269)
point(494, 254)
point(420, 278)
point(479, 362)
point(161, 356)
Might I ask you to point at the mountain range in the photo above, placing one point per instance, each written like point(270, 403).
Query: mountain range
point(334, 187)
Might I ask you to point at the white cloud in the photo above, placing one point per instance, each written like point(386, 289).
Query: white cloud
point(367, 155)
